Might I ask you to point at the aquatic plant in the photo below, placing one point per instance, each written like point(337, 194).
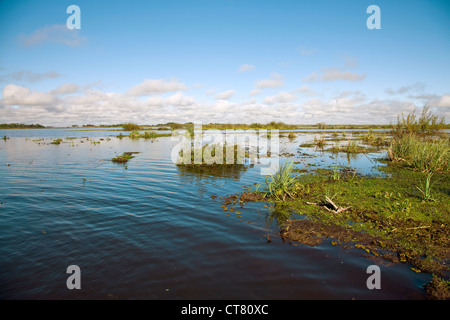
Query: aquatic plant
point(214, 155)
point(57, 141)
point(336, 175)
point(123, 158)
point(424, 155)
point(319, 142)
point(426, 190)
point(130, 126)
point(426, 124)
point(282, 184)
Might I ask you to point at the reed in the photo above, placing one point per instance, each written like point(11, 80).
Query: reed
point(425, 124)
point(423, 155)
point(319, 142)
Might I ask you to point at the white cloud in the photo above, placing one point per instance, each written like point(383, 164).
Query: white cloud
point(179, 99)
point(58, 33)
point(17, 95)
point(274, 81)
point(66, 88)
point(246, 67)
point(149, 87)
point(225, 95)
point(281, 97)
point(441, 102)
point(306, 90)
point(86, 105)
point(255, 92)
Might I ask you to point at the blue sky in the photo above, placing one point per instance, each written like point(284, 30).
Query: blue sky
point(222, 61)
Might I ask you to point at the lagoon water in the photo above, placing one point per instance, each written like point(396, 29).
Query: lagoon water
point(149, 230)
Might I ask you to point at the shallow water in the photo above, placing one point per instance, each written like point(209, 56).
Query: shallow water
point(152, 231)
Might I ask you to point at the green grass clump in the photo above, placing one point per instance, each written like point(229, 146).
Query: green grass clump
point(425, 124)
point(57, 141)
point(214, 155)
point(130, 126)
point(421, 154)
point(123, 158)
point(283, 183)
point(319, 142)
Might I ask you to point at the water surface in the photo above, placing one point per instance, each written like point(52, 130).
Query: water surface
point(149, 230)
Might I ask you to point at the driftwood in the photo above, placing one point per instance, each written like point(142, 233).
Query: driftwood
point(336, 209)
point(421, 227)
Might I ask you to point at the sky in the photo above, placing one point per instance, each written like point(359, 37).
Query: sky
point(222, 61)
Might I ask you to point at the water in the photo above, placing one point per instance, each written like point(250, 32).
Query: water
point(152, 231)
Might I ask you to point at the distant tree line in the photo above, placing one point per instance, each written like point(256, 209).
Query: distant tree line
point(20, 126)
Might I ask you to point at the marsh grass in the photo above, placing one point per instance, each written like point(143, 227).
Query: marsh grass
point(282, 184)
point(147, 134)
point(425, 190)
point(351, 147)
point(213, 155)
point(123, 158)
point(425, 124)
point(130, 126)
point(319, 142)
point(57, 141)
point(421, 154)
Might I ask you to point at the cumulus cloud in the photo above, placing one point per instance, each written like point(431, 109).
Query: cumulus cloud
point(281, 97)
point(274, 81)
point(17, 95)
point(86, 105)
point(58, 33)
point(179, 99)
point(152, 86)
point(441, 102)
point(246, 67)
point(225, 95)
point(306, 90)
point(66, 88)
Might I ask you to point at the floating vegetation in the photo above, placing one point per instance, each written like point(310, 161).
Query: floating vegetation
point(320, 142)
point(351, 147)
point(124, 157)
point(213, 155)
point(57, 141)
point(147, 134)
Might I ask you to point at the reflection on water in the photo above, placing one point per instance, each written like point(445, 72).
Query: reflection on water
point(151, 230)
